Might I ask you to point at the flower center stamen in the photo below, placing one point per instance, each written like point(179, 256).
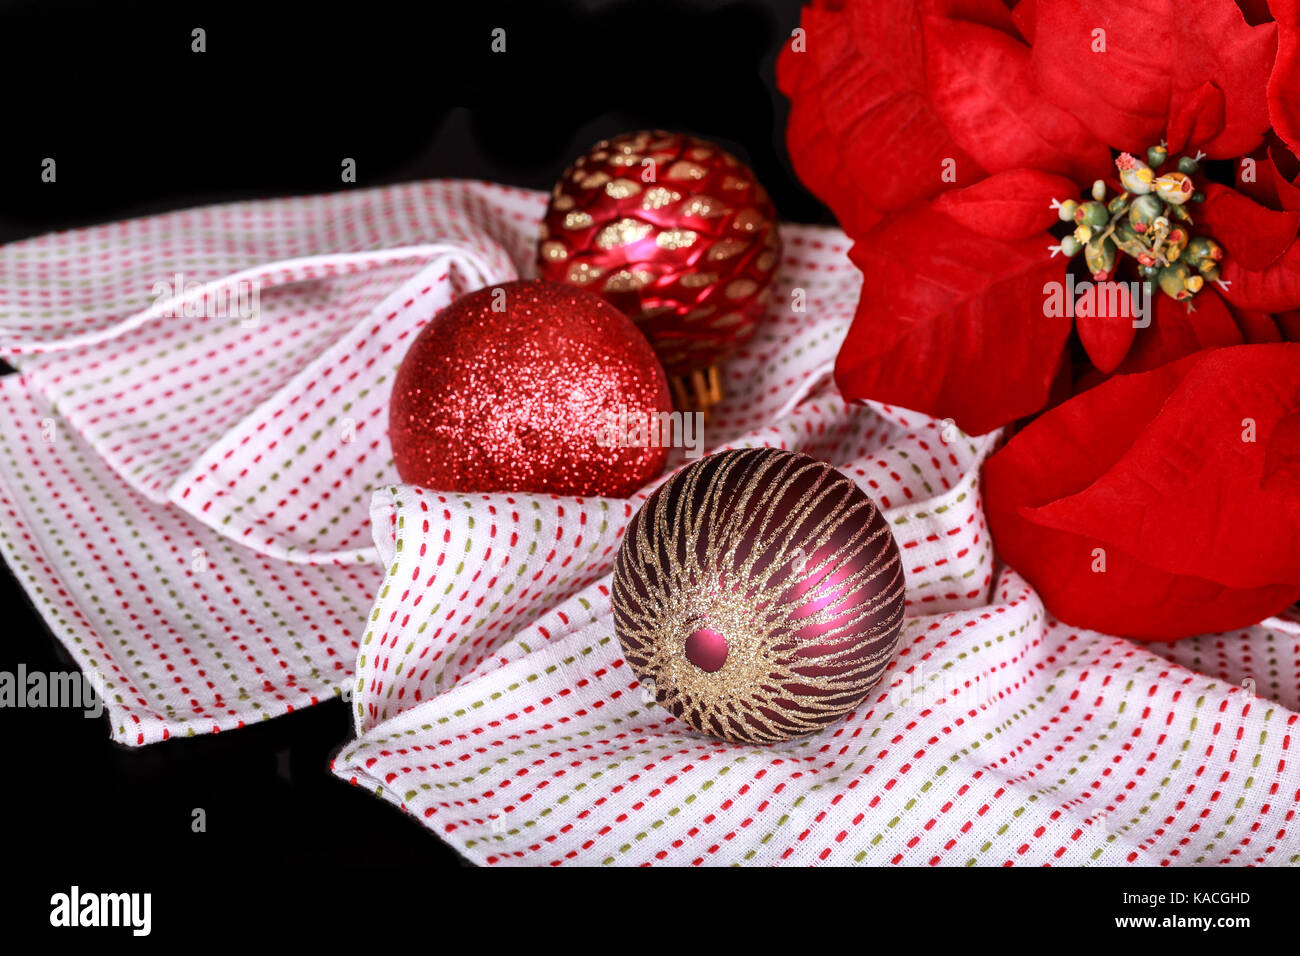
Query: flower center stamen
point(1148, 222)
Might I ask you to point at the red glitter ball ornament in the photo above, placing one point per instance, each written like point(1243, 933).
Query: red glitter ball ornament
point(679, 235)
point(528, 386)
point(759, 595)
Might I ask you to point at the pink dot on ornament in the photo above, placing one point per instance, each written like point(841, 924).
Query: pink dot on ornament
point(706, 649)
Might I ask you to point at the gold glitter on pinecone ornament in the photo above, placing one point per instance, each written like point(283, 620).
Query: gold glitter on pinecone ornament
point(679, 236)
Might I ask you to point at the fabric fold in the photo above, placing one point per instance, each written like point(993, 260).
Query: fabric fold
point(204, 510)
point(998, 737)
point(238, 358)
point(186, 631)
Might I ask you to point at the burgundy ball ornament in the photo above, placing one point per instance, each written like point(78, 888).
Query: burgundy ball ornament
point(524, 387)
point(759, 594)
point(679, 235)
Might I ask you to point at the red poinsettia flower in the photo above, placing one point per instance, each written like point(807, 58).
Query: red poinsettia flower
point(1151, 506)
point(1048, 194)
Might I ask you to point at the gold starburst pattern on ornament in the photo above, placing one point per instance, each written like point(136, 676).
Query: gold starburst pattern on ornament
point(581, 273)
point(578, 220)
point(555, 251)
point(698, 280)
point(627, 280)
point(781, 561)
point(622, 188)
point(562, 203)
point(700, 153)
point(686, 171)
point(727, 321)
point(676, 238)
point(658, 197)
point(726, 248)
point(748, 220)
point(734, 182)
point(766, 261)
point(594, 181)
point(622, 233)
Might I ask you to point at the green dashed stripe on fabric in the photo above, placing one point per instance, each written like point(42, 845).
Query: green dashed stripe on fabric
point(933, 512)
point(411, 794)
point(595, 775)
point(181, 451)
point(881, 727)
point(141, 676)
point(1246, 785)
point(52, 610)
point(673, 811)
point(1047, 790)
point(198, 339)
point(483, 701)
point(544, 598)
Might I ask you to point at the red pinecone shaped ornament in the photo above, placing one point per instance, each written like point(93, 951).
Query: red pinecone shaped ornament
point(679, 236)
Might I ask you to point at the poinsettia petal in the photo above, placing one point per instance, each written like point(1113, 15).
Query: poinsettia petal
point(1275, 288)
point(1199, 118)
point(862, 134)
point(1126, 82)
point(818, 148)
point(1062, 386)
point(1120, 103)
point(1255, 11)
point(991, 13)
point(1287, 188)
point(1137, 509)
point(1009, 205)
point(1284, 83)
point(1252, 177)
point(1204, 450)
point(1267, 176)
point(1256, 327)
point(1177, 331)
point(982, 87)
point(1282, 459)
point(1107, 333)
point(1288, 323)
point(1248, 232)
point(1091, 378)
point(953, 324)
point(1238, 58)
point(1025, 17)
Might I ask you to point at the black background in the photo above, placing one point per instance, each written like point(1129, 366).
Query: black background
point(138, 123)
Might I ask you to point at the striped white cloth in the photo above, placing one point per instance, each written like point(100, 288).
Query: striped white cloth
point(196, 490)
